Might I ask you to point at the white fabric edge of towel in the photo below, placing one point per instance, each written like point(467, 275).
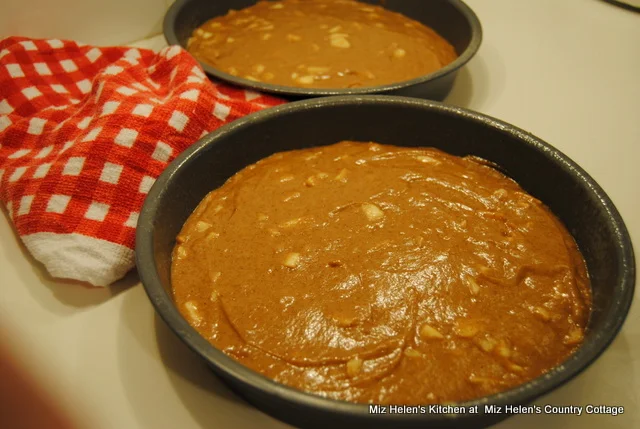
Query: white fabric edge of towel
point(79, 257)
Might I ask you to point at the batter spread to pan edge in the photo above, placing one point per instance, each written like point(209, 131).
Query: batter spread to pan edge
point(374, 273)
point(321, 44)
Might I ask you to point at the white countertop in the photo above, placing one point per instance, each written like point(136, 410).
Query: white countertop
point(568, 71)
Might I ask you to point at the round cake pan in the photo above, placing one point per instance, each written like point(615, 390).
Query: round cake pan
point(452, 19)
point(540, 169)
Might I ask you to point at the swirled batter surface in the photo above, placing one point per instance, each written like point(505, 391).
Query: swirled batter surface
point(320, 44)
point(374, 273)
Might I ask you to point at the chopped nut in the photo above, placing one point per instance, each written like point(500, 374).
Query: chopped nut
point(399, 53)
point(340, 42)
point(262, 217)
point(286, 178)
point(294, 75)
point(342, 176)
point(291, 196)
point(486, 344)
point(230, 39)
point(575, 336)
point(412, 353)
point(258, 68)
point(515, 367)
point(503, 350)
point(251, 78)
point(182, 239)
point(215, 276)
point(206, 35)
point(369, 75)
point(317, 70)
point(287, 301)
point(473, 286)
point(274, 232)
point(293, 38)
point(305, 80)
point(276, 6)
point(311, 181)
point(217, 209)
point(466, 330)
point(215, 25)
point(214, 296)
point(428, 332)
point(181, 252)
point(322, 175)
point(290, 223)
point(291, 260)
point(232, 71)
point(354, 366)
point(492, 215)
point(428, 160)
point(372, 212)
point(475, 379)
point(430, 396)
point(202, 226)
point(500, 194)
point(335, 29)
point(266, 36)
point(212, 235)
point(542, 313)
point(193, 313)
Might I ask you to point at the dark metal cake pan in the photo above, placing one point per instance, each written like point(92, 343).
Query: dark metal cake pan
point(539, 168)
point(452, 19)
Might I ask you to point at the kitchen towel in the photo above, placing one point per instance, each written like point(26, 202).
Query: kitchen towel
point(85, 131)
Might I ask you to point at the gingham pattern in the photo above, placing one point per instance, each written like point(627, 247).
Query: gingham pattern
point(84, 132)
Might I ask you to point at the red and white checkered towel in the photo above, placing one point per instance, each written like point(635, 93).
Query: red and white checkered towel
point(84, 132)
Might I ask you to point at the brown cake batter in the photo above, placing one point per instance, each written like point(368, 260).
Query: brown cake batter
point(374, 273)
point(320, 44)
